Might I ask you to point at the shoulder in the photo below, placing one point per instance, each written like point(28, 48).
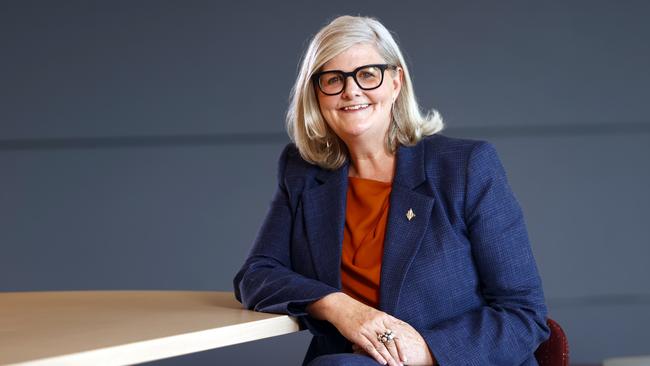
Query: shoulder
point(442, 145)
point(443, 152)
point(295, 174)
point(291, 164)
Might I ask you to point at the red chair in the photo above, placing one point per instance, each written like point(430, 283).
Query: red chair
point(555, 350)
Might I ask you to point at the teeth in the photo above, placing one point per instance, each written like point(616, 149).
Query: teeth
point(355, 107)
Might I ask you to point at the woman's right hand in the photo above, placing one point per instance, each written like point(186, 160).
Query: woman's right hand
point(361, 324)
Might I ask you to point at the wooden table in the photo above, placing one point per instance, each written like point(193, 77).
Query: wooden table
point(125, 327)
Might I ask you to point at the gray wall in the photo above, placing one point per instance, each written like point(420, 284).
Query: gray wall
point(138, 142)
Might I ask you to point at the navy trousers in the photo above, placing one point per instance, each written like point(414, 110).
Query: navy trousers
point(343, 359)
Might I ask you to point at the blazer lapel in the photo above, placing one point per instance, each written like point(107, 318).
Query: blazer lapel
point(403, 236)
point(324, 214)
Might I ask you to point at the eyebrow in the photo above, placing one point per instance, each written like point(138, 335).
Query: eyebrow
point(354, 69)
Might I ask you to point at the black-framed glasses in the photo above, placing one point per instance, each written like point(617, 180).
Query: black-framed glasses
point(367, 77)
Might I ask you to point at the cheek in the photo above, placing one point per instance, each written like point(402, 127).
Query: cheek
point(323, 101)
point(327, 113)
point(382, 96)
point(328, 108)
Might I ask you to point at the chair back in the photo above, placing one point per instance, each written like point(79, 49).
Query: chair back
point(555, 350)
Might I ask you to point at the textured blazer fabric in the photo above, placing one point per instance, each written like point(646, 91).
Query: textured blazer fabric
point(461, 271)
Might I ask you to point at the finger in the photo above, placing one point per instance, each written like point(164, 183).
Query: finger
point(381, 348)
point(392, 349)
point(389, 326)
point(370, 349)
point(401, 349)
point(397, 350)
point(401, 328)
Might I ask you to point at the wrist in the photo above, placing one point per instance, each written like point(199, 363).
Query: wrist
point(325, 307)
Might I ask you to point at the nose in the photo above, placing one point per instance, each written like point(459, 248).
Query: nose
point(350, 87)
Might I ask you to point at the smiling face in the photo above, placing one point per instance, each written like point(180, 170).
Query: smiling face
point(355, 114)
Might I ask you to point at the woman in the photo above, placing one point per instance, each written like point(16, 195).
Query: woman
point(389, 242)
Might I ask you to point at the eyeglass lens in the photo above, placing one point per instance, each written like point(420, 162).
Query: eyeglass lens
point(367, 78)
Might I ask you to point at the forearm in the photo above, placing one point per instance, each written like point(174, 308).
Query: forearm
point(328, 307)
point(265, 285)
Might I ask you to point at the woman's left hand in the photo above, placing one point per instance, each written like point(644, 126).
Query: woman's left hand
point(412, 344)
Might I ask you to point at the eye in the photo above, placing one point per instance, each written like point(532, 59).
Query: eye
point(331, 79)
point(369, 73)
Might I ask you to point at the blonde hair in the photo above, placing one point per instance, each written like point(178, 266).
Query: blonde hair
point(315, 140)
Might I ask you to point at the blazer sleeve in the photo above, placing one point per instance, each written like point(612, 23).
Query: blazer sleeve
point(266, 281)
point(512, 323)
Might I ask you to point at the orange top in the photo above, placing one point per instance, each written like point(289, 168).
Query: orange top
point(363, 238)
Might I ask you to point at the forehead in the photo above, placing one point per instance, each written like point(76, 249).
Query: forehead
point(353, 57)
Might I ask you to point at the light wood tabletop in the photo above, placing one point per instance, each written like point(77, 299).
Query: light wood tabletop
point(125, 327)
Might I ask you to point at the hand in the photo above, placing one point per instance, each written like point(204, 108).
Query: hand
point(361, 324)
point(416, 350)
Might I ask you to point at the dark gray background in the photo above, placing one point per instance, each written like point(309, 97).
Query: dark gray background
point(138, 142)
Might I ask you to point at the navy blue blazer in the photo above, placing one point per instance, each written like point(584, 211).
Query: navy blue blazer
point(461, 272)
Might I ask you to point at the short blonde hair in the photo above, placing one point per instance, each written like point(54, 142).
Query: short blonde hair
point(316, 141)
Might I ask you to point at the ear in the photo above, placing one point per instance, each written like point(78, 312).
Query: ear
point(398, 78)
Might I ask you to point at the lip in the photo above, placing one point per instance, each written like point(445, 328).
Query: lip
point(364, 106)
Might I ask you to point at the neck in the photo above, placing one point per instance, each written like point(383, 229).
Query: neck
point(371, 162)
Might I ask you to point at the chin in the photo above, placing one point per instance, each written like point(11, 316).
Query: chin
point(356, 128)
point(360, 131)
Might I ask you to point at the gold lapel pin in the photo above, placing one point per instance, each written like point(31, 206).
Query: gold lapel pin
point(410, 214)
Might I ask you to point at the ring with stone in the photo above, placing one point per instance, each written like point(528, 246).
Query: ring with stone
point(386, 337)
